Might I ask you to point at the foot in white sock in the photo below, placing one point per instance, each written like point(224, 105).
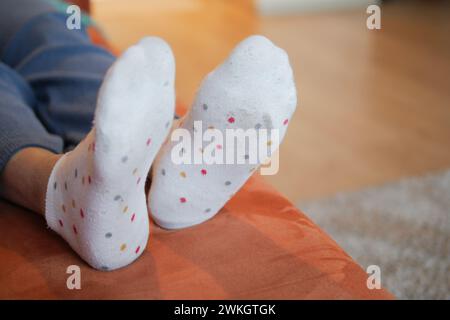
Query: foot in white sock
point(253, 88)
point(95, 195)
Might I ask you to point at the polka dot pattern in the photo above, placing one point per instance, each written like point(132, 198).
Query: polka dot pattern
point(204, 172)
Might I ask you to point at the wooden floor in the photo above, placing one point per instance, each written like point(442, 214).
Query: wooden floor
point(374, 106)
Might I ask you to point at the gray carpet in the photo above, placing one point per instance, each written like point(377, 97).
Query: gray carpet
point(403, 227)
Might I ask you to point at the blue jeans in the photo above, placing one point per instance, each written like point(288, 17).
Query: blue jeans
point(49, 79)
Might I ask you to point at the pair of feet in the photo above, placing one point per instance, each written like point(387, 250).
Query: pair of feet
point(96, 193)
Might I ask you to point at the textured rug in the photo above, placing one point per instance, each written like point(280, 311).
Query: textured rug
point(403, 227)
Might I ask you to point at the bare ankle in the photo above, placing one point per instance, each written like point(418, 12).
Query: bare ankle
point(25, 177)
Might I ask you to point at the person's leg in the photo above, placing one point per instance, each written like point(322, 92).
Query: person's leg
point(62, 66)
point(21, 136)
point(24, 179)
point(65, 71)
point(95, 194)
point(15, 13)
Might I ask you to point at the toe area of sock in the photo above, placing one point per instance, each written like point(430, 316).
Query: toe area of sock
point(155, 48)
point(141, 68)
point(137, 93)
point(257, 54)
point(255, 79)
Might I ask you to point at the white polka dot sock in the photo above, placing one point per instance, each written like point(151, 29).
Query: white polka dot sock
point(95, 196)
point(253, 88)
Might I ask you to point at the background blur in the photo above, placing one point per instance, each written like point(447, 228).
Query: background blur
point(374, 109)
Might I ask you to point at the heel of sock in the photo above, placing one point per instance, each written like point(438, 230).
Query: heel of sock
point(50, 217)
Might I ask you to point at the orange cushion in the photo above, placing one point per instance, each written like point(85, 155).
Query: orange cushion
point(258, 246)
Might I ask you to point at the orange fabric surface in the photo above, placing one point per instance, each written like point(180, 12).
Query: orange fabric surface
point(258, 246)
